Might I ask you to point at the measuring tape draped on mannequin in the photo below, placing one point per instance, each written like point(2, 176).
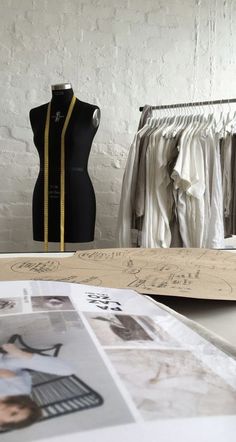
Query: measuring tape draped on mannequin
point(62, 175)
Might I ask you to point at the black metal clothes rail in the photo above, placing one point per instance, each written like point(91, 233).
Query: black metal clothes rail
point(195, 103)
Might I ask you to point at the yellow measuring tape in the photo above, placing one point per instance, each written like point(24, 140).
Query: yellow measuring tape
point(62, 176)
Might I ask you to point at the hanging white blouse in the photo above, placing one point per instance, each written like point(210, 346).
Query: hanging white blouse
point(188, 176)
point(159, 198)
point(215, 234)
point(163, 190)
point(149, 211)
point(124, 223)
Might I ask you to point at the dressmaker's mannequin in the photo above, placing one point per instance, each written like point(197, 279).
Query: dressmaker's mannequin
point(79, 205)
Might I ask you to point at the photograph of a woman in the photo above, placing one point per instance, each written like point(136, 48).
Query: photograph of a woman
point(17, 409)
point(53, 380)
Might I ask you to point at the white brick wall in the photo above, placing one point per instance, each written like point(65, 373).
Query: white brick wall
point(119, 54)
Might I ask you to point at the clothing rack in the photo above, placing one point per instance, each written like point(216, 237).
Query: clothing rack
point(196, 103)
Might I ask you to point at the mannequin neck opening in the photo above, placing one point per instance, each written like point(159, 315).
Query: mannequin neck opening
point(62, 94)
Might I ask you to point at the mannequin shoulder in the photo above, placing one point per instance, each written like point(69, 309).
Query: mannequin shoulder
point(96, 117)
point(37, 112)
point(92, 110)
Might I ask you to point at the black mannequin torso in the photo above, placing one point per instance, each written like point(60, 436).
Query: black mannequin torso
point(80, 205)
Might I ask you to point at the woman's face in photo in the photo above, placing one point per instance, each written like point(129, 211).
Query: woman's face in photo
point(12, 413)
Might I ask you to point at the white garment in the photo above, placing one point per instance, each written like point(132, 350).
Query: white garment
point(188, 176)
point(198, 176)
point(195, 195)
point(141, 178)
point(208, 155)
point(21, 383)
point(127, 200)
point(163, 191)
point(215, 233)
point(156, 229)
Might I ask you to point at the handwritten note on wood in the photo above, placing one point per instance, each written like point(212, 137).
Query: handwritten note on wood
point(195, 273)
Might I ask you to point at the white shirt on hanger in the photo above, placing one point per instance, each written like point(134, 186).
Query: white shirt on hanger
point(127, 199)
point(188, 176)
point(159, 200)
point(215, 234)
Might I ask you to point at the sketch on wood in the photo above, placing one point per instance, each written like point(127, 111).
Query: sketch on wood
point(196, 273)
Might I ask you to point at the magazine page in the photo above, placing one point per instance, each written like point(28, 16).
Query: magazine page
point(85, 363)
